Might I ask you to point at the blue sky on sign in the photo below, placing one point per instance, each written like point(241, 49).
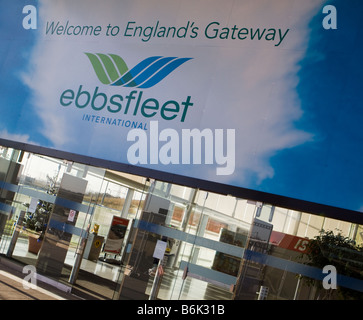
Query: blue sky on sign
point(14, 94)
point(329, 168)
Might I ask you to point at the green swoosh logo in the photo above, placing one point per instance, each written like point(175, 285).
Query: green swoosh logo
point(108, 68)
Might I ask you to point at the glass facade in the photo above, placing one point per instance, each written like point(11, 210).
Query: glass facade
point(100, 233)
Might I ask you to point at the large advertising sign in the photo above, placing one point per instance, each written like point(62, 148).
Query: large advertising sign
point(262, 95)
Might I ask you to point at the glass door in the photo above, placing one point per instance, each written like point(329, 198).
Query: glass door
point(52, 204)
point(197, 244)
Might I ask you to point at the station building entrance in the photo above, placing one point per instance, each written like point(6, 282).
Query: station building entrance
point(110, 235)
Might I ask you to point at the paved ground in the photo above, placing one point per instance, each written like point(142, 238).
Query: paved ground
point(14, 287)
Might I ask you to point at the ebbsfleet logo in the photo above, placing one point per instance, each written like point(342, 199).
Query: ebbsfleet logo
point(133, 109)
point(111, 69)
